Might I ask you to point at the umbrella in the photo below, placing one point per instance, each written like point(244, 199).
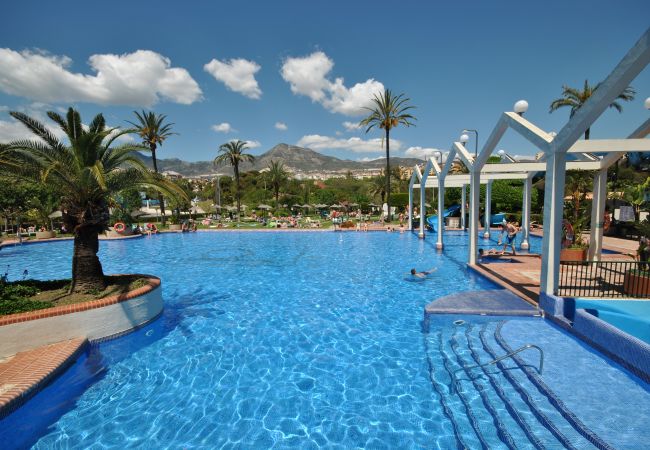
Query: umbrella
point(306, 206)
point(196, 210)
point(373, 205)
point(55, 215)
point(336, 206)
point(264, 207)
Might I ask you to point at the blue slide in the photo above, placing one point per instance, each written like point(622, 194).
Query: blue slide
point(432, 221)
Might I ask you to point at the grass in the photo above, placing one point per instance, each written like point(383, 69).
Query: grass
point(32, 295)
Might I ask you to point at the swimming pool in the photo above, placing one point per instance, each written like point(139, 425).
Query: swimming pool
point(300, 340)
point(631, 316)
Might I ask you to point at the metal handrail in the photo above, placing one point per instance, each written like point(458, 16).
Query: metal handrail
point(509, 355)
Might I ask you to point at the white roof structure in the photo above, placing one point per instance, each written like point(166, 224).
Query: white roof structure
point(597, 154)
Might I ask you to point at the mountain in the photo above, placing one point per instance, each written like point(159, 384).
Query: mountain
point(296, 159)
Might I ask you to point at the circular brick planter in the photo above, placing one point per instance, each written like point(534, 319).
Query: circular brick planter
point(94, 320)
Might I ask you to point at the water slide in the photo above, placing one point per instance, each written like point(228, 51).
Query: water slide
point(432, 221)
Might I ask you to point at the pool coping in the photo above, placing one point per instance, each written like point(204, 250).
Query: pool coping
point(152, 283)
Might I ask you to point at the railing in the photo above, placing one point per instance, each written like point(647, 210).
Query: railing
point(608, 279)
point(501, 358)
point(510, 355)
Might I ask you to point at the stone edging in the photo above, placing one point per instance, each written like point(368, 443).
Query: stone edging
point(152, 283)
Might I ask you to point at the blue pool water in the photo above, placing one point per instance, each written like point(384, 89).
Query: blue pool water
point(296, 340)
point(631, 316)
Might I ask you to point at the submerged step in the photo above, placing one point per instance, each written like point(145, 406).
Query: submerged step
point(498, 302)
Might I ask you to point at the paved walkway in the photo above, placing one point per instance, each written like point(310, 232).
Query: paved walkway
point(25, 373)
point(522, 275)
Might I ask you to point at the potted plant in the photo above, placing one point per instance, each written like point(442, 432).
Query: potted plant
point(175, 223)
point(574, 247)
point(636, 282)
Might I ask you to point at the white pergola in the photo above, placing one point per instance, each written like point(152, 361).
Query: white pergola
point(502, 171)
point(555, 148)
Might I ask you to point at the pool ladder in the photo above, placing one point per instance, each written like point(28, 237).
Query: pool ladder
point(506, 356)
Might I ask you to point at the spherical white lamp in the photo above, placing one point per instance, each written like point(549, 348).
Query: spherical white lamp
point(464, 138)
point(501, 153)
point(647, 103)
point(553, 134)
point(521, 107)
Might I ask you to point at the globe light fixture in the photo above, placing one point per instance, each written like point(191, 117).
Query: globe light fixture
point(521, 107)
point(647, 103)
point(464, 138)
point(501, 153)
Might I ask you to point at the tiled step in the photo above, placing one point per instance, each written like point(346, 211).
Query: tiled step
point(514, 381)
point(25, 373)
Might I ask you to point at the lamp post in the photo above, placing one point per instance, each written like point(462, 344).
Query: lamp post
point(521, 107)
point(467, 139)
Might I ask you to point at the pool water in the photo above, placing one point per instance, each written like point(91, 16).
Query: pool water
point(288, 337)
point(292, 340)
point(631, 316)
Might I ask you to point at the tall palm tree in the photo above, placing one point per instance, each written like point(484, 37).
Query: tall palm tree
point(153, 131)
point(575, 98)
point(85, 172)
point(277, 177)
point(388, 111)
point(232, 154)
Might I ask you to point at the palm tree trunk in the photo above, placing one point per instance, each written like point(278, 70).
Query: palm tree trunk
point(161, 200)
point(388, 173)
point(587, 131)
point(236, 170)
point(87, 272)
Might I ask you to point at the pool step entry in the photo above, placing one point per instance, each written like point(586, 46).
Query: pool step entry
point(493, 398)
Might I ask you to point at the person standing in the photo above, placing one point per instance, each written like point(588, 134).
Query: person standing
point(511, 229)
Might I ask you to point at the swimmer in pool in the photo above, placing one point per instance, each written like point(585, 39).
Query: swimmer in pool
point(422, 274)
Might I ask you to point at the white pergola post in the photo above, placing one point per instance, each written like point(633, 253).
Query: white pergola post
point(598, 215)
point(553, 211)
point(474, 200)
point(463, 201)
point(410, 224)
point(441, 207)
point(525, 212)
point(423, 183)
point(488, 210)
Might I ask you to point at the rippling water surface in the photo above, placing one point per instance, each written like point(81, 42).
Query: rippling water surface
point(288, 339)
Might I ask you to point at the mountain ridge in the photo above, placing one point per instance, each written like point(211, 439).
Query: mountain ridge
point(295, 158)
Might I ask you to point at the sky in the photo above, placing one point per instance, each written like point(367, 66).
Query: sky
point(301, 72)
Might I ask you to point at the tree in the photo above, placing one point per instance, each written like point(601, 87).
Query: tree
point(575, 99)
point(387, 113)
point(578, 183)
point(154, 132)
point(277, 177)
point(636, 196)
point(85, 172)
point(379, 186)
point(232, 154)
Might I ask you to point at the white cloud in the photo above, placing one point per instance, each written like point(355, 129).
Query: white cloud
point(250, 144)
point(353, 144)
point(308, 76)
point(351, 126)
point(421, 152)
point(237, 74)
point(281, 126)
point(141, 78)
point(223, 127)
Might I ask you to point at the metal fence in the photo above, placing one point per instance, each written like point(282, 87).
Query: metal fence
point(609, 279)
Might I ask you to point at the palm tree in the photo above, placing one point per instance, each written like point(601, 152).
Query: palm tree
point(85, 172)
point(277, 177)
point(378, 186)
point(153, 132)
point(575, 98)
point(232, 154)
point(388, 112)
point(578, 183)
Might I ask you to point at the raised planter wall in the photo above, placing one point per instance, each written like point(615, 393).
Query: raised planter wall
point(94, 320)
point(175, 227)
point(45, 234)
